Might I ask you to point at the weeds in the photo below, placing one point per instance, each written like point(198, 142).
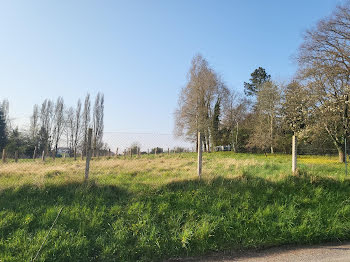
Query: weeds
point(149, 210)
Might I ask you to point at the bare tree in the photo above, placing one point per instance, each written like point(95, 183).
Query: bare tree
point(235, 112)
point(296, 107)
point(325, 68)
point(86, 118)
point(46, 119)
point(266, 112)
point(34, 123)
point(77, 128)
point(5, 107)
point(197, 100)
point(58, 123)
point(69, 129)
point(97, 124)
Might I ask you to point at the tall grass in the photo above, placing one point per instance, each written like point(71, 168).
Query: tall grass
point(154, 208)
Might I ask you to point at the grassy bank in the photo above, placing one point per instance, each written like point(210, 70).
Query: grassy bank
point(154, 208)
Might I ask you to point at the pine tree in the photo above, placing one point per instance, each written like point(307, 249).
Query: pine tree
point(258, 78)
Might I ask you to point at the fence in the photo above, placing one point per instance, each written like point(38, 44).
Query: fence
point(154, 153)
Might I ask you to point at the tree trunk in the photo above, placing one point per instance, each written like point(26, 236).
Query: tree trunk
point(233, 142)
point(341, 155)
point(271, 134)
point(208, 143)
point(236, 138)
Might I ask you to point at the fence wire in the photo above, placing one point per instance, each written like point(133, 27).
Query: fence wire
point(145, 152)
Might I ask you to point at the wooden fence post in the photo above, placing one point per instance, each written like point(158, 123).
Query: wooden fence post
point(4, 155)
point(168, 151)
point(88, 155)
point(109, 152)
point(16, 156)
point(116, 152)
point(138, 151)
point(34, 153)
point(130, 153)
point(199, 155)
point(155, 151)
point(294, 154)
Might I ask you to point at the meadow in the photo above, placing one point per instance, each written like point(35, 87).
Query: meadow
point(154, 208)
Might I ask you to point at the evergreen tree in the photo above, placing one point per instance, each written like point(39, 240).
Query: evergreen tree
point(216, 124)
point(258, 77)
point(3, 134)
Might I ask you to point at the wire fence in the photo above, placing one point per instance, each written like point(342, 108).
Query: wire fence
point(147, 152)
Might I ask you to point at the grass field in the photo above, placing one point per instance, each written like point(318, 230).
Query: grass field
point(154, 208)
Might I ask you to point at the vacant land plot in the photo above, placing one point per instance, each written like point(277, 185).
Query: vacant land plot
point(154, 208)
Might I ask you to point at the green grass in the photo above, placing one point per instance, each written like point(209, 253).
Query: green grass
point(154, 208)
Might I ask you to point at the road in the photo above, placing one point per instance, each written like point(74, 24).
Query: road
point(319, 253)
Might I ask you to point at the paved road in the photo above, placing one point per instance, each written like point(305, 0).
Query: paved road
point(321, 253)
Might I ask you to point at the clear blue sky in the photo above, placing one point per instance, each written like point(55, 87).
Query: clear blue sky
point(138, 52)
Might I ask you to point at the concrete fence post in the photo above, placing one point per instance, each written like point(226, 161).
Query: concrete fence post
point(199, 155)
point(294, 154)
point(16, 156)
point(43, 156)
point(4, 155)
point(88, 155)
point(34, 153)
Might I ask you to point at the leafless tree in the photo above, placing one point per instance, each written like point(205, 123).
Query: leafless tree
point(97, 124)
point(5, 107)
point(58, 123)
point(197, 100)
point(86, 118)
point(46, 120)
point(267, 110)
point(69, 129)
point(296, 106)
point(77, 128)
point(34, 123)
point(235, 111)
point(324, 60)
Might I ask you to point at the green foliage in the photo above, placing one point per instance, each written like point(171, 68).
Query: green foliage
point(157, 150)
point(258, 77)
point(20, 143)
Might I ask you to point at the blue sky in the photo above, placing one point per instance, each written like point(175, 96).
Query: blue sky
point(138, 52)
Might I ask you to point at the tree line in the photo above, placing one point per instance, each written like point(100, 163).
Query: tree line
point(54, 125)
point(313, 105)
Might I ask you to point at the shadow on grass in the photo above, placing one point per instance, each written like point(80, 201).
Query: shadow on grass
point(109, 223)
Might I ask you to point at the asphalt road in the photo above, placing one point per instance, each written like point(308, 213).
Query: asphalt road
point(320, 253)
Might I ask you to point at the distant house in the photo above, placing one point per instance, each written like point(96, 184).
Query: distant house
point(63, 151)
point(223, 148)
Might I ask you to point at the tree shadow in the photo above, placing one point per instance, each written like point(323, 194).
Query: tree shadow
point(179, 219)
